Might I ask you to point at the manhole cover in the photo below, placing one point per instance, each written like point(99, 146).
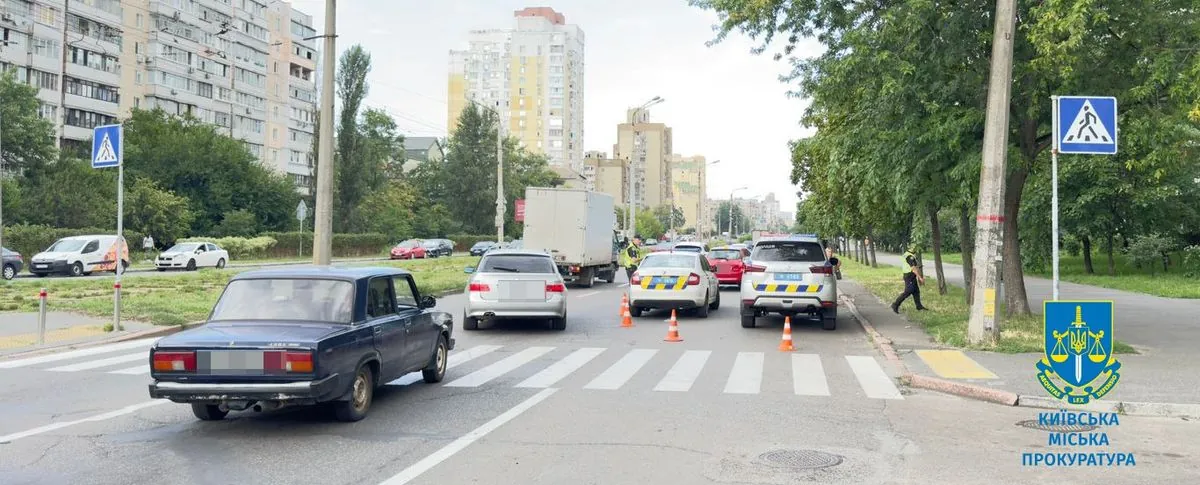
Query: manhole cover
point(800, 459)
point(1056, 428)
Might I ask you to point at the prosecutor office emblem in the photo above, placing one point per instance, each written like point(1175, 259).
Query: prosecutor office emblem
point(1078, 364)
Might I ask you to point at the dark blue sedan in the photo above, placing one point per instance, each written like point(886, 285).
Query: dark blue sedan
point(304, 336)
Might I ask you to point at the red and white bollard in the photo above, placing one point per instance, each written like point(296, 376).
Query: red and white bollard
point(41, 336)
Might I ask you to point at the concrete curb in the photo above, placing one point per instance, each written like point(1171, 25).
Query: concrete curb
point(1008, 398)
point(141, 334)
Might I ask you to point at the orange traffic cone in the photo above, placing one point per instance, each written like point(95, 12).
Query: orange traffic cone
point(786, 344)
point(626, 318)
point(673, 330)
point(624, 305)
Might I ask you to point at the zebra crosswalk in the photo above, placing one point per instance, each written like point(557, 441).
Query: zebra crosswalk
point(595, 369)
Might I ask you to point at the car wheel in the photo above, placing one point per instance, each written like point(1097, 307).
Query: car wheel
point(9, 272)
point(191, 266)
point(436, 370)
point(470, 323)
point(635, 312)
point(221, 263)
point(361, 392)
point(208, 412)
point(716, 303)
point(702, 310)
point(77, 269)
point(558, 323)
point(748, 321)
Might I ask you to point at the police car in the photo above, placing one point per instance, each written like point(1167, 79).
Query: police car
point(674, 280)
point(788, 275)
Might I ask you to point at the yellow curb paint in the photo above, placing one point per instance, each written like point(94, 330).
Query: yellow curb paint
point(954, 364)
point(69, 333)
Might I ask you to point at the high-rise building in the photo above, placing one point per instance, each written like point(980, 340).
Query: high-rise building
point(240, 65)
point(530, 74)
point(607, 175)
point(648, 147)
point(689, 186)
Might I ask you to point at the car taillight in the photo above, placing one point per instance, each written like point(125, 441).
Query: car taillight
point(693, 279)
point(174, 361)
point(821, 269)
point(750, 268)
point(636, 279)
point(479, 288)
point(288, 361)
point(555, 288)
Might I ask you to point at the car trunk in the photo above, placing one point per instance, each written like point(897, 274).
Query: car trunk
point(664, 278)
point(505, 287)
point(727, 266)
point(254, 350)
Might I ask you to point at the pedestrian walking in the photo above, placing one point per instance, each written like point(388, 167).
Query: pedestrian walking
point(148, 243)
point(912, 278)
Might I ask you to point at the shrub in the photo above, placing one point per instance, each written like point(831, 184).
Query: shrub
point(1191, 260)
point(30, 239)
point(463, 242)
point(1150, 252)
point(344, 245)
point(239, 247)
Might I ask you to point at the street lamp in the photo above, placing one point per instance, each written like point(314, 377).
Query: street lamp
point(731, 208)
point(500, 202)
point(640, 142)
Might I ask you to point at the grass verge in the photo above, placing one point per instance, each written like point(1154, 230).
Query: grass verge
point(946, 319)
point(1172, 284)
point(178, 298)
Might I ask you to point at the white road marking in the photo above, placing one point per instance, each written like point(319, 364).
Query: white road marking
point(746, 376)
point(427, 463)
point(95, 364)
point(871, 377)
point(451, 362)
point(808, 375)
point(563, 368)
point(685, 371)
point(99, 417)
point(133, 371)
point(510, 363)
point(585, 295)
point(620, 373)
point(103, 349)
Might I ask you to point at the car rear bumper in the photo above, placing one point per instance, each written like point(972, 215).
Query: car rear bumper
point(730, 279)
point(303, 392)
point(788, 304)
point(479, 308)
point(667, 304)
point(170, 264)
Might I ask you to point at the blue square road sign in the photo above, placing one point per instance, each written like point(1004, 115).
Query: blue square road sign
point(106, 146)
point(1086, 125)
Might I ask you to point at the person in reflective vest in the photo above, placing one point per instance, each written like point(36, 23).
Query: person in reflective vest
point(912, 276)
point(631, 257)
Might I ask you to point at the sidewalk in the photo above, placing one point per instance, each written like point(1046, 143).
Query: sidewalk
point(18, 331)
point(1155, 378)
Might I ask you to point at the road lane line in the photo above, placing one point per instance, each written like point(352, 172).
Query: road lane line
point(746, 375)
point(509, 364)
point(451, 362)
point(99, 417)
point(103, 349)
point(872, 378)
point(685, 371)
point(427, 463)
point(563, 368)
point(954, 364)
point(585, 295)
point(808, 375)
point(96, 364)
point(620, 373)
point(134, 371)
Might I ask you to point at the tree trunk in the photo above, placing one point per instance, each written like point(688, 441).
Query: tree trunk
point(1016, 302)
point(1087, 254)
point(871, 247)
point(967, 244)
point(1112, 264)
point(936, 229)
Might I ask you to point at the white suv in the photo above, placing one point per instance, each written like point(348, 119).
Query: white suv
point(788, 275)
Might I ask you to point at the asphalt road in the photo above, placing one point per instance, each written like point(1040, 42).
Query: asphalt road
point(594, 404)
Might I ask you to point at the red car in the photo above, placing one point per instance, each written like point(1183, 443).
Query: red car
point(728, 264)
point(410, 249)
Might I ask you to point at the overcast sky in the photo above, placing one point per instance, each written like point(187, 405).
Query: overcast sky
point(722, 102)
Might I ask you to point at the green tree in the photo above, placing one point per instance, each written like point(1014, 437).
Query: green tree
point(724, 223)
point(648, 225)
point(390, 211)
point(355, 173)
point(73, 195)
point(664, 213)
point(27, 138)
point(238, 223)
point(151, 210)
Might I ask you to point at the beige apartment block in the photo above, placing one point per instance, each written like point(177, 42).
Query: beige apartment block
point(648, 147)
point(607, 175)
point(689, 186)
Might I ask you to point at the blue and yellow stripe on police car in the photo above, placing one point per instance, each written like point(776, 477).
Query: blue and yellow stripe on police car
point(679, 284)
point(792, 288)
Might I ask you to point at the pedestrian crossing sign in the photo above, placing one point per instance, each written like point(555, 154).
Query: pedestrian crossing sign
point(106, 146)
point(1085, 125)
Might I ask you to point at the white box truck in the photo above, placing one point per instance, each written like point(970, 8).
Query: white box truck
point(577, 227)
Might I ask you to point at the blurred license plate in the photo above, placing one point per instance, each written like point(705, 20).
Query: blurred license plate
point(664, 280)
point(788, 276)
point(522, 290)
point(235, 360)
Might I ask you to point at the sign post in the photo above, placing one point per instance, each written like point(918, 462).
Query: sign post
point(301, 215)
point(108, 150)
point(1091, 129)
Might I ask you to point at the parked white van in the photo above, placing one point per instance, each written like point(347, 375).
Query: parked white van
point(80, 255)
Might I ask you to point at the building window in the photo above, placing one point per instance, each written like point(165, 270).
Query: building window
point(87, 119)
point(88, 89)
point(48, 111)
point(43, 79)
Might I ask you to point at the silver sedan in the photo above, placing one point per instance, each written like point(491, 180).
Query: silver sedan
point(515, 284)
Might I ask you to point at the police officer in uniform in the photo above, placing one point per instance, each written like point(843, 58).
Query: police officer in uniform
point(631, 256)
point(912, 276)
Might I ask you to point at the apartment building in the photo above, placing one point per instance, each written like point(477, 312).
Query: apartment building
point(238, 64)
point(689, 186)
point(607, 175)
point(648, 147)
point(531, 75)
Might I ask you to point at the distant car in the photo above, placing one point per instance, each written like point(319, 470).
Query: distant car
point(515, 284)
point(516, 244)
point(651, 242)
point(661, 247)
point(410, 249)
point(81, 256)
point(192, 255)
point(304, 336)
point(12, 263)
point(691, 247)
point(438, 247)
point(482, 247)
point(674, 280)
point(788, 275)
point(729, 264)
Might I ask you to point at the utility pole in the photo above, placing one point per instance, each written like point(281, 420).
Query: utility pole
point(500, 206)
point(62, 80)
point(984, 323)
point(323, 223)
